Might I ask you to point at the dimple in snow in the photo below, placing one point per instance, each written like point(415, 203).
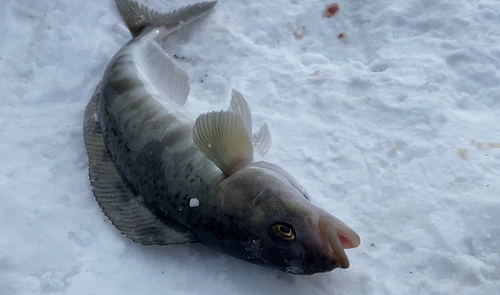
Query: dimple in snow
point(163, 177)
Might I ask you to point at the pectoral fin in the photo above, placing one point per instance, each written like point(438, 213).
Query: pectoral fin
point(261, 140)
point(224, 139)
point(240, 106)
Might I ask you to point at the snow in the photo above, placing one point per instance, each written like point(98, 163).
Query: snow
point(392, 128)
point(194, 202)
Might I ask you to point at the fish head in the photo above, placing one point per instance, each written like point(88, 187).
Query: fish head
point(277, 226)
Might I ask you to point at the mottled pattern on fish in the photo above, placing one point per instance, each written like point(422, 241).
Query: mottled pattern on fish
point(149, 160)
point(151, 142)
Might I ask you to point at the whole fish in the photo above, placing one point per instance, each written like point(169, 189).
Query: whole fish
point(164, 178)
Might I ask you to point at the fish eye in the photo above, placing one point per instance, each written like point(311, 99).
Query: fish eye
point(284, 231)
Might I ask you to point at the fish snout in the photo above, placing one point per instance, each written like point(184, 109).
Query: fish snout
point(336, 236)
point(331, 242)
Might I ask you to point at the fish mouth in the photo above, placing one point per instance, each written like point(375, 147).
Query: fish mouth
point(336, 237)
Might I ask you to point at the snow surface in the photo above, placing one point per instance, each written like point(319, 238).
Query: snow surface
point(393, 128)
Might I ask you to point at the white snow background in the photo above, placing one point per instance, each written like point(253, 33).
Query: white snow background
point(393, 128)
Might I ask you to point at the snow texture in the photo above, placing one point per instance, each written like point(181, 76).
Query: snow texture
point(194, 202)
point(387, 112)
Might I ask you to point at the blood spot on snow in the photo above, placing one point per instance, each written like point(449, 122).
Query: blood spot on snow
point(331, 9)
point(299, 33)
point(341, 36)
point(318, 74)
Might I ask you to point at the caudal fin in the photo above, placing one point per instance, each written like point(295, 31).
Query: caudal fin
point(138, 16)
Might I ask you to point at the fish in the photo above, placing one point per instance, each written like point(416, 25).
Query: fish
point(163, 176)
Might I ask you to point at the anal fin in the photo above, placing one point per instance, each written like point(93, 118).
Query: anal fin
point(169, 80)
point(125, 210)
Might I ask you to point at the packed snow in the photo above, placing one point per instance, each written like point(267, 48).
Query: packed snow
point(386, 111)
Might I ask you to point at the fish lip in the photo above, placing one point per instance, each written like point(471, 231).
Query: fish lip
point(329, 261)
point(328, 235)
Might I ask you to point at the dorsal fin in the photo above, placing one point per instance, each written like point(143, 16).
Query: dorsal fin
point(168, 79)
point(138, 16)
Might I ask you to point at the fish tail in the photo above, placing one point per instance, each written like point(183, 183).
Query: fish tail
point(139, 17)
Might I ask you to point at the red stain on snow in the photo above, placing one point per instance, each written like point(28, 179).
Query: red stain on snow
point(331, 9)
point(341, 36)
point(299, 33)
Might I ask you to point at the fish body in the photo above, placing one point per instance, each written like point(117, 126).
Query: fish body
point(163, 177)
point(150, 138)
